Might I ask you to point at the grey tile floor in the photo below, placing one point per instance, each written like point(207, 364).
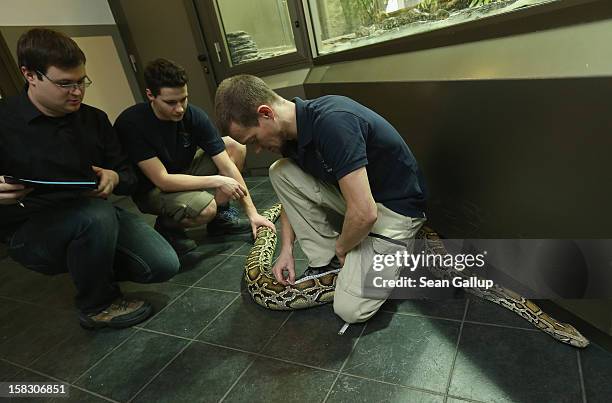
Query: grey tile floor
point(209, 342)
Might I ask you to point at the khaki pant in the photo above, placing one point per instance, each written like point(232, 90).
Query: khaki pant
point(305, 201)
point(180, 205)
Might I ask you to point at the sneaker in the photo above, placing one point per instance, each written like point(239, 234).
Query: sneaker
point(227, 223)
point(313, 272)
point(120, 314)
point(176, 237)
point(231, 211)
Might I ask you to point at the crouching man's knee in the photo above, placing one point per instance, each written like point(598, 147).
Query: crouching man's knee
point(354, 309)
point(165, 269)
point(284, 169)
point(236, 151)
point(158, 267)
point(347, 314)
point(208, 213)
point(276, 167)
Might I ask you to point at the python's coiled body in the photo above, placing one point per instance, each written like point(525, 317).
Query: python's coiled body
point(264, 288)
point(267, 292)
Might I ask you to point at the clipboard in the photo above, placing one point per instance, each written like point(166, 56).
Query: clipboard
point(46, 184)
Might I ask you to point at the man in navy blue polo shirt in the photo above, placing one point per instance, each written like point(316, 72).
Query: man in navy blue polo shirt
point(340, 156)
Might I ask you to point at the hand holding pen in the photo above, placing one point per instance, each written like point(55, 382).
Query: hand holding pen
point(12, 193)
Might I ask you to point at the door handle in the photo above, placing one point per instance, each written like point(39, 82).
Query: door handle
point(133, 62)
point(218, 51)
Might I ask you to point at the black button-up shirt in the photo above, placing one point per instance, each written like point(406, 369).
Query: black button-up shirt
point(35, 146)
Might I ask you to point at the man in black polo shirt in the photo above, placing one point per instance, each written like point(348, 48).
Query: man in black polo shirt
point(344, 157)
point(187, 177)
point(48, 134)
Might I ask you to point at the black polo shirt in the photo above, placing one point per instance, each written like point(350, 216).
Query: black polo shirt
point(337, 135)
point(144, 136)
point(36, 146)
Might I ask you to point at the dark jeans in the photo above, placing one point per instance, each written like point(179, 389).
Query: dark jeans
point(98, 244)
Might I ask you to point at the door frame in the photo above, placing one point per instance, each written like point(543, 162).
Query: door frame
point(212, 32)
point(10, 66)
point(195, 26)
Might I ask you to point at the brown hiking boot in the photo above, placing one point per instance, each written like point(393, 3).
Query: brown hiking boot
point(120, 314)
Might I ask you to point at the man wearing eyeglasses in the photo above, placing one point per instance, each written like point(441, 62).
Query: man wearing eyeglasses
point(48, 134)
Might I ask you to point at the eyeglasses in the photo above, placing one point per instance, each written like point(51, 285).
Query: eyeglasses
point(81, 84)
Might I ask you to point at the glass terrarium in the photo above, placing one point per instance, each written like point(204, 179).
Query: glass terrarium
point(346, 24)
point(255, 29)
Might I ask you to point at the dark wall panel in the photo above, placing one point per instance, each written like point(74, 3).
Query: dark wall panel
point(505, 158)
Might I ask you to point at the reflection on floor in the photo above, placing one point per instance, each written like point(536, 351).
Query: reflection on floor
point(208, 342)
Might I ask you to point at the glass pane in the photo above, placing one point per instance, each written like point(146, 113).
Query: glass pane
point(346, 24)
point(256, 29)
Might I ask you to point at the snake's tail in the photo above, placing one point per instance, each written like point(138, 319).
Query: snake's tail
point(508, 299)
point(532, 313)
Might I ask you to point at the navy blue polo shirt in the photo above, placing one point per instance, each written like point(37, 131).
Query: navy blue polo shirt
point(144, 136)
point(337, 136)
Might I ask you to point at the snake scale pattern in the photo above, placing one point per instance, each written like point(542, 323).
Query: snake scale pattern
point(268, 293)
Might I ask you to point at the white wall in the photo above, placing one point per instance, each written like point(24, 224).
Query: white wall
point(110, 90)
point(55, 12)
